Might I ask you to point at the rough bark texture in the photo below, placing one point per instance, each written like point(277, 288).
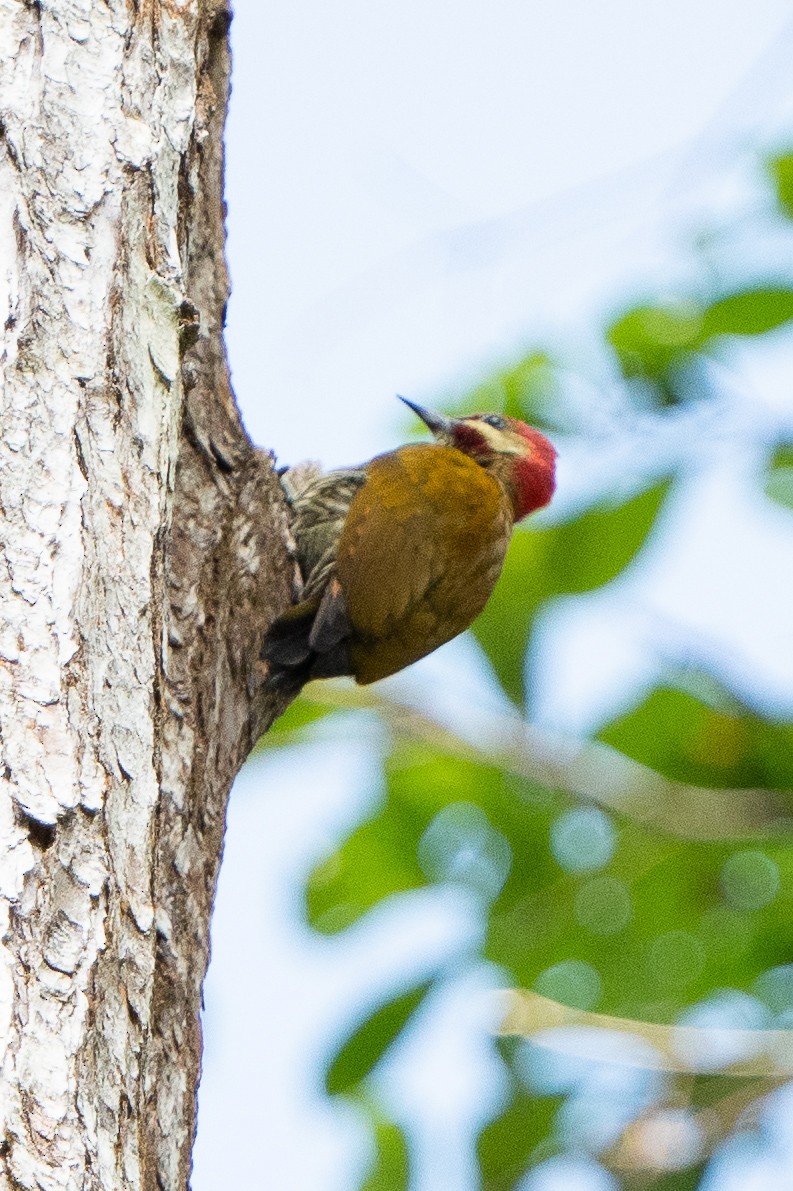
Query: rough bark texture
point(144, 550)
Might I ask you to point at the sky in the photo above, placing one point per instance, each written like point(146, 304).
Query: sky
point(415, 193)
point(413, 190)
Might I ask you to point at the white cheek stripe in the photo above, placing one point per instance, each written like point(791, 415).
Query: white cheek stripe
point(500, 442)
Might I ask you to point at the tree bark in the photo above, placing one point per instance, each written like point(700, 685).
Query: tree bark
point(145, 550)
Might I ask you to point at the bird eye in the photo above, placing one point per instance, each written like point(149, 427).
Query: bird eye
point(496, 421)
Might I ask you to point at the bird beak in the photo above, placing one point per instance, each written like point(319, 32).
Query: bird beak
point(439, 424)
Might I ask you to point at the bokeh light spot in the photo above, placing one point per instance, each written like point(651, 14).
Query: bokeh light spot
point(461, 845)
point(572, 982)
point(775, 988)
point(729, 1027)
point(676, 959)
point(669, 1139)
point(565, 1173)
point(726, 933)
point(749, 880)
point(603, 905)
point(583, 839)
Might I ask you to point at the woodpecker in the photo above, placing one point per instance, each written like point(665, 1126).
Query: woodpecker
point(401, 554)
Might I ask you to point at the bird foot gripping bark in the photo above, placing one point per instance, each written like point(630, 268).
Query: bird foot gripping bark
point(297, 478)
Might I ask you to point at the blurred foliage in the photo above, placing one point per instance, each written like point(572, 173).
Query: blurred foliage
point(781, 171)
point(298, 716)
point(607, 914)
point(528, 389)
point(779, 480)
point(391, 1168)
point(688, 740)
point(365, 1047)
point(566, 559)
point(657, 344)
point(521, 1129)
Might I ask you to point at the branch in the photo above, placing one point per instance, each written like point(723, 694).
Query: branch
point(768, 1054)
point(591, 771)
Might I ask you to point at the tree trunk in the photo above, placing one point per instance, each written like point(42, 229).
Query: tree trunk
point(145, 549)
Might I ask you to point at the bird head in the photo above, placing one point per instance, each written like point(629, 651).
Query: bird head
point(517, 455)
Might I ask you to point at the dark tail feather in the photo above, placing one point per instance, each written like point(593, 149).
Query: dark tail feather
point(308, 641)
point(331, 623)
point(287, 639)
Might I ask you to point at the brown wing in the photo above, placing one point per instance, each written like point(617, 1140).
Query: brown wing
point(421, 550)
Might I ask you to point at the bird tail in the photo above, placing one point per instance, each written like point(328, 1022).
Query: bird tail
point(309, 641)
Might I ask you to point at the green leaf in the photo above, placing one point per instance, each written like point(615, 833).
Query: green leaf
point(652, 342)
point(381, 858)
point(543, 563)
point(363, 1050)
point(749, 312)
point(592, 550)
point(391, 1168)
point(656, 923)
point(781, 170)
point(298, 717)
point(779, 477)
point(504, 627)
point(527, 390)
point(688, 1179)
point(506, 1145)
point(649, 339)
point(689, 740)
point(699, 917)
